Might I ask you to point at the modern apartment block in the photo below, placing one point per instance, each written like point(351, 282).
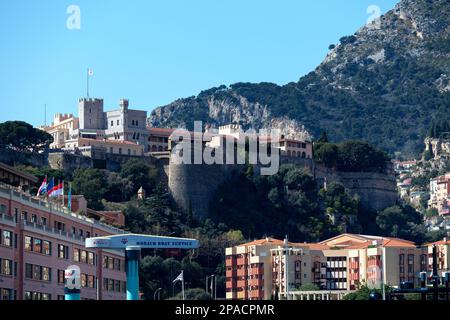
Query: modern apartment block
point(262, 270)
point(40, 239)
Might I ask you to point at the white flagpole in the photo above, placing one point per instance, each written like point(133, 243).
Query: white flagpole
point(87, 83)
point(182, 283)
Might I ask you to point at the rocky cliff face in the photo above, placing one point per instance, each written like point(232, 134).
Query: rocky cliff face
point(383, 84)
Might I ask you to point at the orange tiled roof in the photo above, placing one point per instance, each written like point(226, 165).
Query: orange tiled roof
point(313, 246)
point(262, 241)
point(440, 242)
point(110, 141)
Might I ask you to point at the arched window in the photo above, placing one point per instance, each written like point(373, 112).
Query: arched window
point(289, 153)
point(303, 155)
point(160, 148)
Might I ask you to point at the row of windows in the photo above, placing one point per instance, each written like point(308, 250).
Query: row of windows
point(133, 123)
point(31, 295)
point(114, 285)
point(8, 294)
point(113, 263)
point(38, 245)
point(111, 150)
point(36, 272)
point(84, 256)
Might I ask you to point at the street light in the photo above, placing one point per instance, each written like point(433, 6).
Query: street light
point(157, 292)
point(213, 289)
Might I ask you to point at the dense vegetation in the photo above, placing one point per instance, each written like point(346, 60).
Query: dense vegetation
point(351, 156)
point(22, 136)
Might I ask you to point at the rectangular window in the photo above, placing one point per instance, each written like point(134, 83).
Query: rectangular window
point(6, 267)
point(61, 276)
point(111, 285)
point(110, 263)
point(117, 283)
point(83, 280)
point(6, 238)
point(28, 271)
point(2, 209)
point(44, 221)
point(83, 256)
point(76, 255)
point(74, 230)
point(105, 262)
point(37, 245)
point(91, 282)
point(117, 264)
point(28, 243)
point(63, 251)
point(91, 258)
point(24, 216)
point(105, 284)
point(47, 248)
point(37, 272)
point(7, 294)
point(34, 218)
point(46, 274)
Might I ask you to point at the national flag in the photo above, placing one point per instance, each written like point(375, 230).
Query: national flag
point(43, 187)
point(58, 189)
point(50, 186)
point(90, 72)
point(179, 278)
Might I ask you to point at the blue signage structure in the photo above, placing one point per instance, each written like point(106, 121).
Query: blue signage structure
point(132, 244)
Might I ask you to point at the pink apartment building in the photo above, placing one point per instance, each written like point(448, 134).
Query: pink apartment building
point(39, 240)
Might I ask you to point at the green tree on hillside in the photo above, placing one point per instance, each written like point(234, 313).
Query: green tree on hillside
point(92, 184)
point(21, 136)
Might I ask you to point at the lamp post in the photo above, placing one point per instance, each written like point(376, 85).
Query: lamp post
point(157, 293)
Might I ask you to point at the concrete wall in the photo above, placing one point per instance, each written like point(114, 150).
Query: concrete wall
point(11, 157)
point(377, 191)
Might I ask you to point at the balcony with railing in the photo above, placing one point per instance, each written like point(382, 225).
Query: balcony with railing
point(256, 282)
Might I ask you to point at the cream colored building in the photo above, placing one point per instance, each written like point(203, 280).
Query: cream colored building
point(61, 129)
point(117, 147)
point(440, 194)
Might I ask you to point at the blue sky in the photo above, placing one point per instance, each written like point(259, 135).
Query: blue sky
point(153, 51)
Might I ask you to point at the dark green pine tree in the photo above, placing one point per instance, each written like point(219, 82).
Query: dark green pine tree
point(323, 137)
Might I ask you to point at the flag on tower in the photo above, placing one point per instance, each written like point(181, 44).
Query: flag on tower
point(90, 72)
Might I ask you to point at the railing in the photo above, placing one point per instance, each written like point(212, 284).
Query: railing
point(56, 208)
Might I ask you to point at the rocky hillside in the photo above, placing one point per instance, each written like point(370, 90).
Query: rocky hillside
point(384, 84)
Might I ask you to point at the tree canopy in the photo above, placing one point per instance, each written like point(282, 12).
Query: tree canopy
point(22, 136)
